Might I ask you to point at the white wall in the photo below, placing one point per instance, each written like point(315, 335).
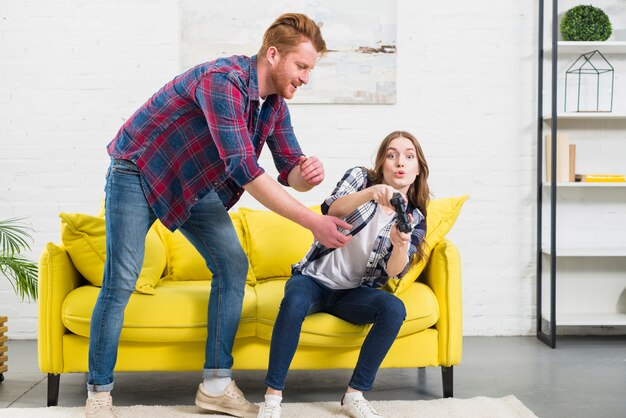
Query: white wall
point(72, 71)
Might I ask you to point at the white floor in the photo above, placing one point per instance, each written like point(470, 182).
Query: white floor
point(583, 377)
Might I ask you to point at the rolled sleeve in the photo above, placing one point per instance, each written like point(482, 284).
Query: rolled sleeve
point(284, 145)
point(223, 99)
point(354, 180)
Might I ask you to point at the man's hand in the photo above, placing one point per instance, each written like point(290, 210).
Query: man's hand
point(325, 231)
point(311, 170)
point(271, 195)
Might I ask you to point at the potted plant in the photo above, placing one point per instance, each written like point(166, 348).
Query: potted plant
point(21, 273)
point(585, 23)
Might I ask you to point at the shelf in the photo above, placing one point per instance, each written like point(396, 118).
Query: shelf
point(586, 116)
point(587, 252)
point(590, 319)
point(583, 185)
point(610, 47)
point(590, 280)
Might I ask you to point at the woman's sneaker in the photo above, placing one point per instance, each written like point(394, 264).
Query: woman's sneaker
point(269, 410)
point(360, 408)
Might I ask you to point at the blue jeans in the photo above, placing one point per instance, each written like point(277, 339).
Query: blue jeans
point(363, 305)
point(209, 229)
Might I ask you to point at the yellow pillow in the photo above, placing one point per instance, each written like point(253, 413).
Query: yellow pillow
point(184, 262)
point(84, 239)
point(100, 213)
point(440, 216)
point(274, 243)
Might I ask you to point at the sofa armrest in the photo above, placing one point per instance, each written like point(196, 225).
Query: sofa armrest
point(57, 278)
point(443, 275)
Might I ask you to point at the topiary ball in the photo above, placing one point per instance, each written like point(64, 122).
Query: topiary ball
point(585, 23)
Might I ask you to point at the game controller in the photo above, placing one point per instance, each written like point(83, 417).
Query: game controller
point(404, 222)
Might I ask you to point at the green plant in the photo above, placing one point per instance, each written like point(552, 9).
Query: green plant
point(22, 273)
point(585, 23)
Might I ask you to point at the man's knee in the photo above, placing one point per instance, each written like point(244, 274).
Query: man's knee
point(233, 260)
point(240, 260)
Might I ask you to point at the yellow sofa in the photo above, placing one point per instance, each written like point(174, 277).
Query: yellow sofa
point(165, 320)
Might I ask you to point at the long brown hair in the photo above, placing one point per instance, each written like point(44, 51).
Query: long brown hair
point(289, 30)
point(419, 192)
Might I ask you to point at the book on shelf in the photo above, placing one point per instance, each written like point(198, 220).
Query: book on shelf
point(565, 159)
point(601, 178)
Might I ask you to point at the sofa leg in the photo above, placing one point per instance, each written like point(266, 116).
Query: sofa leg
point(53, 389)
point(447, 380)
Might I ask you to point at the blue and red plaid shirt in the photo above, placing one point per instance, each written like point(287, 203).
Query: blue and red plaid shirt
point(204, 131)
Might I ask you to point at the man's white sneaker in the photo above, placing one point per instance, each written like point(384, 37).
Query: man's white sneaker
point(231, 402)
point(269, 410)
point(100, 406)
point(360, 408)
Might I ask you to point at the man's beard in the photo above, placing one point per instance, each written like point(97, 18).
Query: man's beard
point(282, 84)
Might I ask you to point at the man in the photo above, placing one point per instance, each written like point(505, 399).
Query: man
point(185, 157)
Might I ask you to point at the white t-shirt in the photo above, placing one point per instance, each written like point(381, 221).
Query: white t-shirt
point(344, 267)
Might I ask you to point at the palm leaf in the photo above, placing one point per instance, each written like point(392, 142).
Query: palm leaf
point(13, 236)
point(21, 273)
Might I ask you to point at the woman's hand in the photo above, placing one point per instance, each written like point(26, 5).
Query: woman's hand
point(400, 239)
point(382, 194)
point(400, 253)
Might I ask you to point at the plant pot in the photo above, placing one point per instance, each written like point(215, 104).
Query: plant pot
point(3, 347)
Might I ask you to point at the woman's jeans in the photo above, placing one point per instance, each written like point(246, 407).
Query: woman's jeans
point(362, 305)
point(210, 230)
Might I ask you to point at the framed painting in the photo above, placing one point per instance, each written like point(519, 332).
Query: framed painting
point(360, 67)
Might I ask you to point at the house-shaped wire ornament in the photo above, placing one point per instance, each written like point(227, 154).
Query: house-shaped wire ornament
point(593, 93)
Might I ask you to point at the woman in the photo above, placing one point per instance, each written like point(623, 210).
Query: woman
point(344, 281)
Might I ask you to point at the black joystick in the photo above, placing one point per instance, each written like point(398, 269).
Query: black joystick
point(404, 223)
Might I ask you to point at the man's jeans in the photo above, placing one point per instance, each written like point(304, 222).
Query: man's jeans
point(209, 229)
point(363, 305)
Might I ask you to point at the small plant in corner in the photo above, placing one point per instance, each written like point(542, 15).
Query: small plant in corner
point(585, 23)
point(21, 272)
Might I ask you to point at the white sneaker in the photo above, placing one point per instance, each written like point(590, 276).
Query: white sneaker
point(269, 410)
point(231, 402)
point(100, 406)
point(360, 408)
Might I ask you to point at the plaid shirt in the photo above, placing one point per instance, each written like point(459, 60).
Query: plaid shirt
point(204, 131)
point(354, 180)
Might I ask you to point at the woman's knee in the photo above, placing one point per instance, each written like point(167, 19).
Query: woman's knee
point(395, 310)
point(295, 304)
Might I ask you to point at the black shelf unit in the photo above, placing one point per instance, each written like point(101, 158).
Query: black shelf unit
point(549, 336)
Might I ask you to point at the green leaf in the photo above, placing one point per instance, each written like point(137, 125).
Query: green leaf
point(585, 23)
point(21, 273)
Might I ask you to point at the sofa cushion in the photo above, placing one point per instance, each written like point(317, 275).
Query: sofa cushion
point(440, 216)
point(274, 243)
point(176, 312)
point(84, 239)
point(184, 262)
point(322, 329)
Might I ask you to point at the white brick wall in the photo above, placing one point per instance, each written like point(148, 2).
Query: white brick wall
point(72, 71)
